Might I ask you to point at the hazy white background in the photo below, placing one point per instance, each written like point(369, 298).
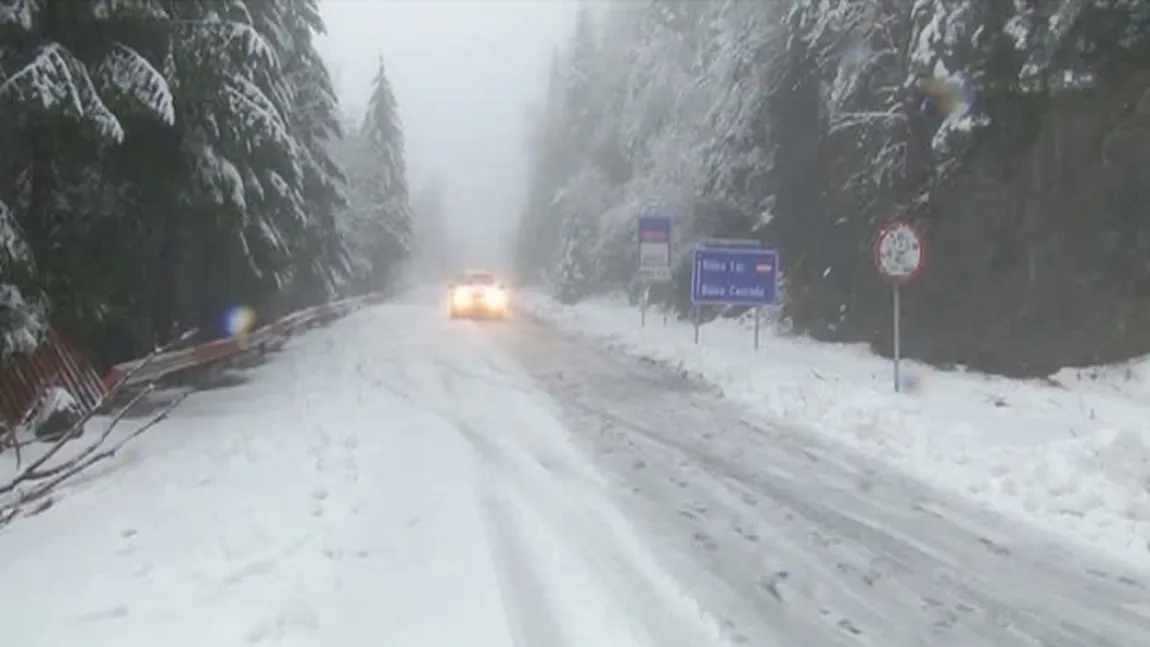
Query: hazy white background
point(465, 73)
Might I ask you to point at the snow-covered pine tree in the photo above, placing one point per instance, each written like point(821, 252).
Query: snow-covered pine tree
point(70, 75)
point(562, 139)
point(319, 254)
point(21, 323)
point(579, 206)
point(169, 144)
point(574, 274)
point(352, 218)
point(744, 39)
point(252, 112)
point(664, 100)
point(385, 141)
point(579, 114)
point(248, 164)
point(379, 214)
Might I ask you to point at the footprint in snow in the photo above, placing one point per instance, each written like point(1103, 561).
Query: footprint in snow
point(111, 613)
point(254, 569)
point(705, 540)
point(295, 615)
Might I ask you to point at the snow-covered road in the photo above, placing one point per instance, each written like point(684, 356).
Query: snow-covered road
point(789, 538)
point(403, 480)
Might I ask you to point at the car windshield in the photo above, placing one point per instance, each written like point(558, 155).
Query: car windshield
point(478, 278)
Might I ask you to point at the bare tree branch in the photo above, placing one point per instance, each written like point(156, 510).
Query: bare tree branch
point(55, 475)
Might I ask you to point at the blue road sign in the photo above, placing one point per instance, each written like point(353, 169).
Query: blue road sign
point(740, 276)
point(654, 248)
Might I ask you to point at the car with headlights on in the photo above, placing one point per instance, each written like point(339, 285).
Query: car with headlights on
point(477, 295)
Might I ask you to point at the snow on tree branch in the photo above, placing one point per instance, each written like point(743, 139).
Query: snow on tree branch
point(124, 72)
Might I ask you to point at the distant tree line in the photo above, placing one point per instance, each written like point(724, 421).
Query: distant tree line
point(805, 124)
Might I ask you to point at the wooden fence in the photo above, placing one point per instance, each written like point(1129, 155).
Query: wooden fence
point(55, 363)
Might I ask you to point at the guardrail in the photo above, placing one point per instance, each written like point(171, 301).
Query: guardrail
point(25, 378)
point(266, 338)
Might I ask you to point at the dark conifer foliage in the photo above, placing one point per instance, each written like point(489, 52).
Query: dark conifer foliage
point(163, 160)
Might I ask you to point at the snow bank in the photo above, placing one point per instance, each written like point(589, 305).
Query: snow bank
point(1071, 454)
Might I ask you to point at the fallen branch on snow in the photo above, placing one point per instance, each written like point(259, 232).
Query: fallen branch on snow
point(9, 439)
point(47, 478)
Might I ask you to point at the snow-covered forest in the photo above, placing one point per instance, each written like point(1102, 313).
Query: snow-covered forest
point(806, 123)
point(163, 160)
point(432, 240)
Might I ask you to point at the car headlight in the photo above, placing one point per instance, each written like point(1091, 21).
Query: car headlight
point(495, 299)
point(461, 298)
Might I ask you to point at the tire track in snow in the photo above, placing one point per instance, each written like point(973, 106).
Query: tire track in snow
point(640, 590)
point(531, 617)
point(820, 511)
point(984, 610)
point(644, 594)
point(528, 601)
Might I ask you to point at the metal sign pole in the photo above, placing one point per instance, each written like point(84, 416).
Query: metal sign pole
point(900, 254)
point(643, 307)
point(695, 318)
point(897, 339)
point(758, 311)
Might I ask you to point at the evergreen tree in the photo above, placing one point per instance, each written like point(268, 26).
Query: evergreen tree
point(321, 264)
point(574, 272)
point(562, 139)
point(578, 207)
point(378, 221)
point(805, 124)
point(66, 89)
point(163, 160)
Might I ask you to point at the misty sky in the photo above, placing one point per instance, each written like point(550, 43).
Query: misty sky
point(465, 73)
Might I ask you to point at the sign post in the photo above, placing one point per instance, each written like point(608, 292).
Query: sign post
point(735, 276)
point(654, 234)
point(899, 256)
point(644, 297)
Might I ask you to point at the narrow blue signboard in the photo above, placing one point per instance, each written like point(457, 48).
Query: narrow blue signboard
point(654, 229)
point(654, 248)
point(740, 276)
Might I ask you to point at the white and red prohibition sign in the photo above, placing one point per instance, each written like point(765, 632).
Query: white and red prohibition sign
point(900, 252)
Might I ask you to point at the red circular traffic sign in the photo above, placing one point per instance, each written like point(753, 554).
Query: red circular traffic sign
point(900, 251)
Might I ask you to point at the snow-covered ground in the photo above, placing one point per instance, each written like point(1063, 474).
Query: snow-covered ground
point(367, 487)
point(1072, 456)
point(402, 479)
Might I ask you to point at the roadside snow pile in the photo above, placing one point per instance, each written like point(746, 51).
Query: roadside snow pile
point(1072, 454)
point(1131, 379)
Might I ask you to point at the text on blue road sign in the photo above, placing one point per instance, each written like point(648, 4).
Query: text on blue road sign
point(734, 276)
